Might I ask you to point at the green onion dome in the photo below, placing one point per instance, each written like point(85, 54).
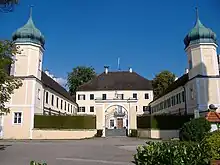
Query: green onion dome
point(29, 33)
point(200, 34)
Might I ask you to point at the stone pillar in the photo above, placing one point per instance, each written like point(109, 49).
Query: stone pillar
point(100, 119)
point(133, 117)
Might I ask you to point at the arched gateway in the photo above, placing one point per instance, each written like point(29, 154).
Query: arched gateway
point(116, 117)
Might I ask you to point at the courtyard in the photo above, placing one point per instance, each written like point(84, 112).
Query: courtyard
point(97, 151)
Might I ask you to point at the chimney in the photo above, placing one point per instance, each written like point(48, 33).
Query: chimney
point(106, 69)
point(186, 70)
point(130, 70)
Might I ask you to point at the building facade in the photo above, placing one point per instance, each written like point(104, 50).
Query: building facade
point(118, 97)
point(199, 87)
point(39, 94)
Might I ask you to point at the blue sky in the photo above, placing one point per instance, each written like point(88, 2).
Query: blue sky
point(146, 35)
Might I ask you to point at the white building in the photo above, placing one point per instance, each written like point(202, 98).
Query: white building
point(200, 85)
point(40, 94)
point(114, 92)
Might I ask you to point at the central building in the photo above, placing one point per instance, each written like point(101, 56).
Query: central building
point(116, 98)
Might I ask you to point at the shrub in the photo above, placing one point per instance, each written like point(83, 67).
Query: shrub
point(35, 163)
point(65, 122)
point(212, 140)
point(99, 133)
point(195, 130)
point(162, 122)
point(133, 133)
point(171, 153)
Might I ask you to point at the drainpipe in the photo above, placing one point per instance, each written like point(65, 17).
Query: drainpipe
point(184, 89)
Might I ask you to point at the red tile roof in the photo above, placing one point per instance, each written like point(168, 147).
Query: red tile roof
point(213, 117)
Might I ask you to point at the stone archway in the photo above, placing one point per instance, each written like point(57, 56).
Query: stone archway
point(116, 120)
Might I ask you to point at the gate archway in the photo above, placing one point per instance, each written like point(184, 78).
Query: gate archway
point(116, 120)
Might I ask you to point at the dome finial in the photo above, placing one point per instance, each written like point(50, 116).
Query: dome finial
point(31, 7)
point(197, 14)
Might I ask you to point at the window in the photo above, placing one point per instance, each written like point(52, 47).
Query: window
point(57, 102)
point(17, 117)
point(46, 97)
point(52, 97)
point(112, 123)
point(146, 108)
point(71, 108)
point(119, 109)
point(136, 108)
point(81, 109)
point(68, 107)
point(183, 96)
point(91, 109)
point(38, 94)
point(190, 64)
point(135, 95)
point(91, 96)
point(81, 97)
point(146, 96)
point(191, 94)
point(103, 96)
point(61, 104)
point(121, 96)
point(65, 106)
point(39, 65)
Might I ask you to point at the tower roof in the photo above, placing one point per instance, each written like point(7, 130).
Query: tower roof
point(200, 34)
point(29, 33)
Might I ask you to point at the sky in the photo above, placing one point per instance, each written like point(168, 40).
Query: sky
point(146, 35)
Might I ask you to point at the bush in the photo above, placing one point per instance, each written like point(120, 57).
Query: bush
point(195, 130)
point(65, 122)
point(162, 122)
point(212, 140)
point(35, 163)
point(99, 133)
point(172, 153)
point(133, 133)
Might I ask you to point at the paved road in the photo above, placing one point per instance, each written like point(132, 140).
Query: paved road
point(99, 151)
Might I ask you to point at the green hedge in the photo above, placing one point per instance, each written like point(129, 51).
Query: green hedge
point(163, 122)
point(65, 122)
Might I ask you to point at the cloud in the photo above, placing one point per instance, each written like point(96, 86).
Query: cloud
point(60, 80)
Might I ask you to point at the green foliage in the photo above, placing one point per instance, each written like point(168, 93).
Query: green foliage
point(7, 83)
point(212, 140)
point(133, 133)
point(161, 82)
point(65, 122)
point(79, 76)
point(162, 122)
point(195, 130)
point(99, 133)
point(172, 153)
point(35, 163)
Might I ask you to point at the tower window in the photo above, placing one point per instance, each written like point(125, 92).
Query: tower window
point(190, 64)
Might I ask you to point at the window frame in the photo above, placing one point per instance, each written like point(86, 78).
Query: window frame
point(104, 98)
point(91, 98)
point(134, 94)
point(92, 108)
point(13, 118)
point(146, 94)
point(52, 100)
point(47, 97)
point(83, 95)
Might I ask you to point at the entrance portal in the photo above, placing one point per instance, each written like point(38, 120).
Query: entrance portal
point(116, 121)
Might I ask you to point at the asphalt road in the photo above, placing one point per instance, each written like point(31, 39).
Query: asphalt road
point(99, 151)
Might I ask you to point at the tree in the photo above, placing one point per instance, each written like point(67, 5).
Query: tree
point(161, 82)
point(8, 83)
point(79, 76)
